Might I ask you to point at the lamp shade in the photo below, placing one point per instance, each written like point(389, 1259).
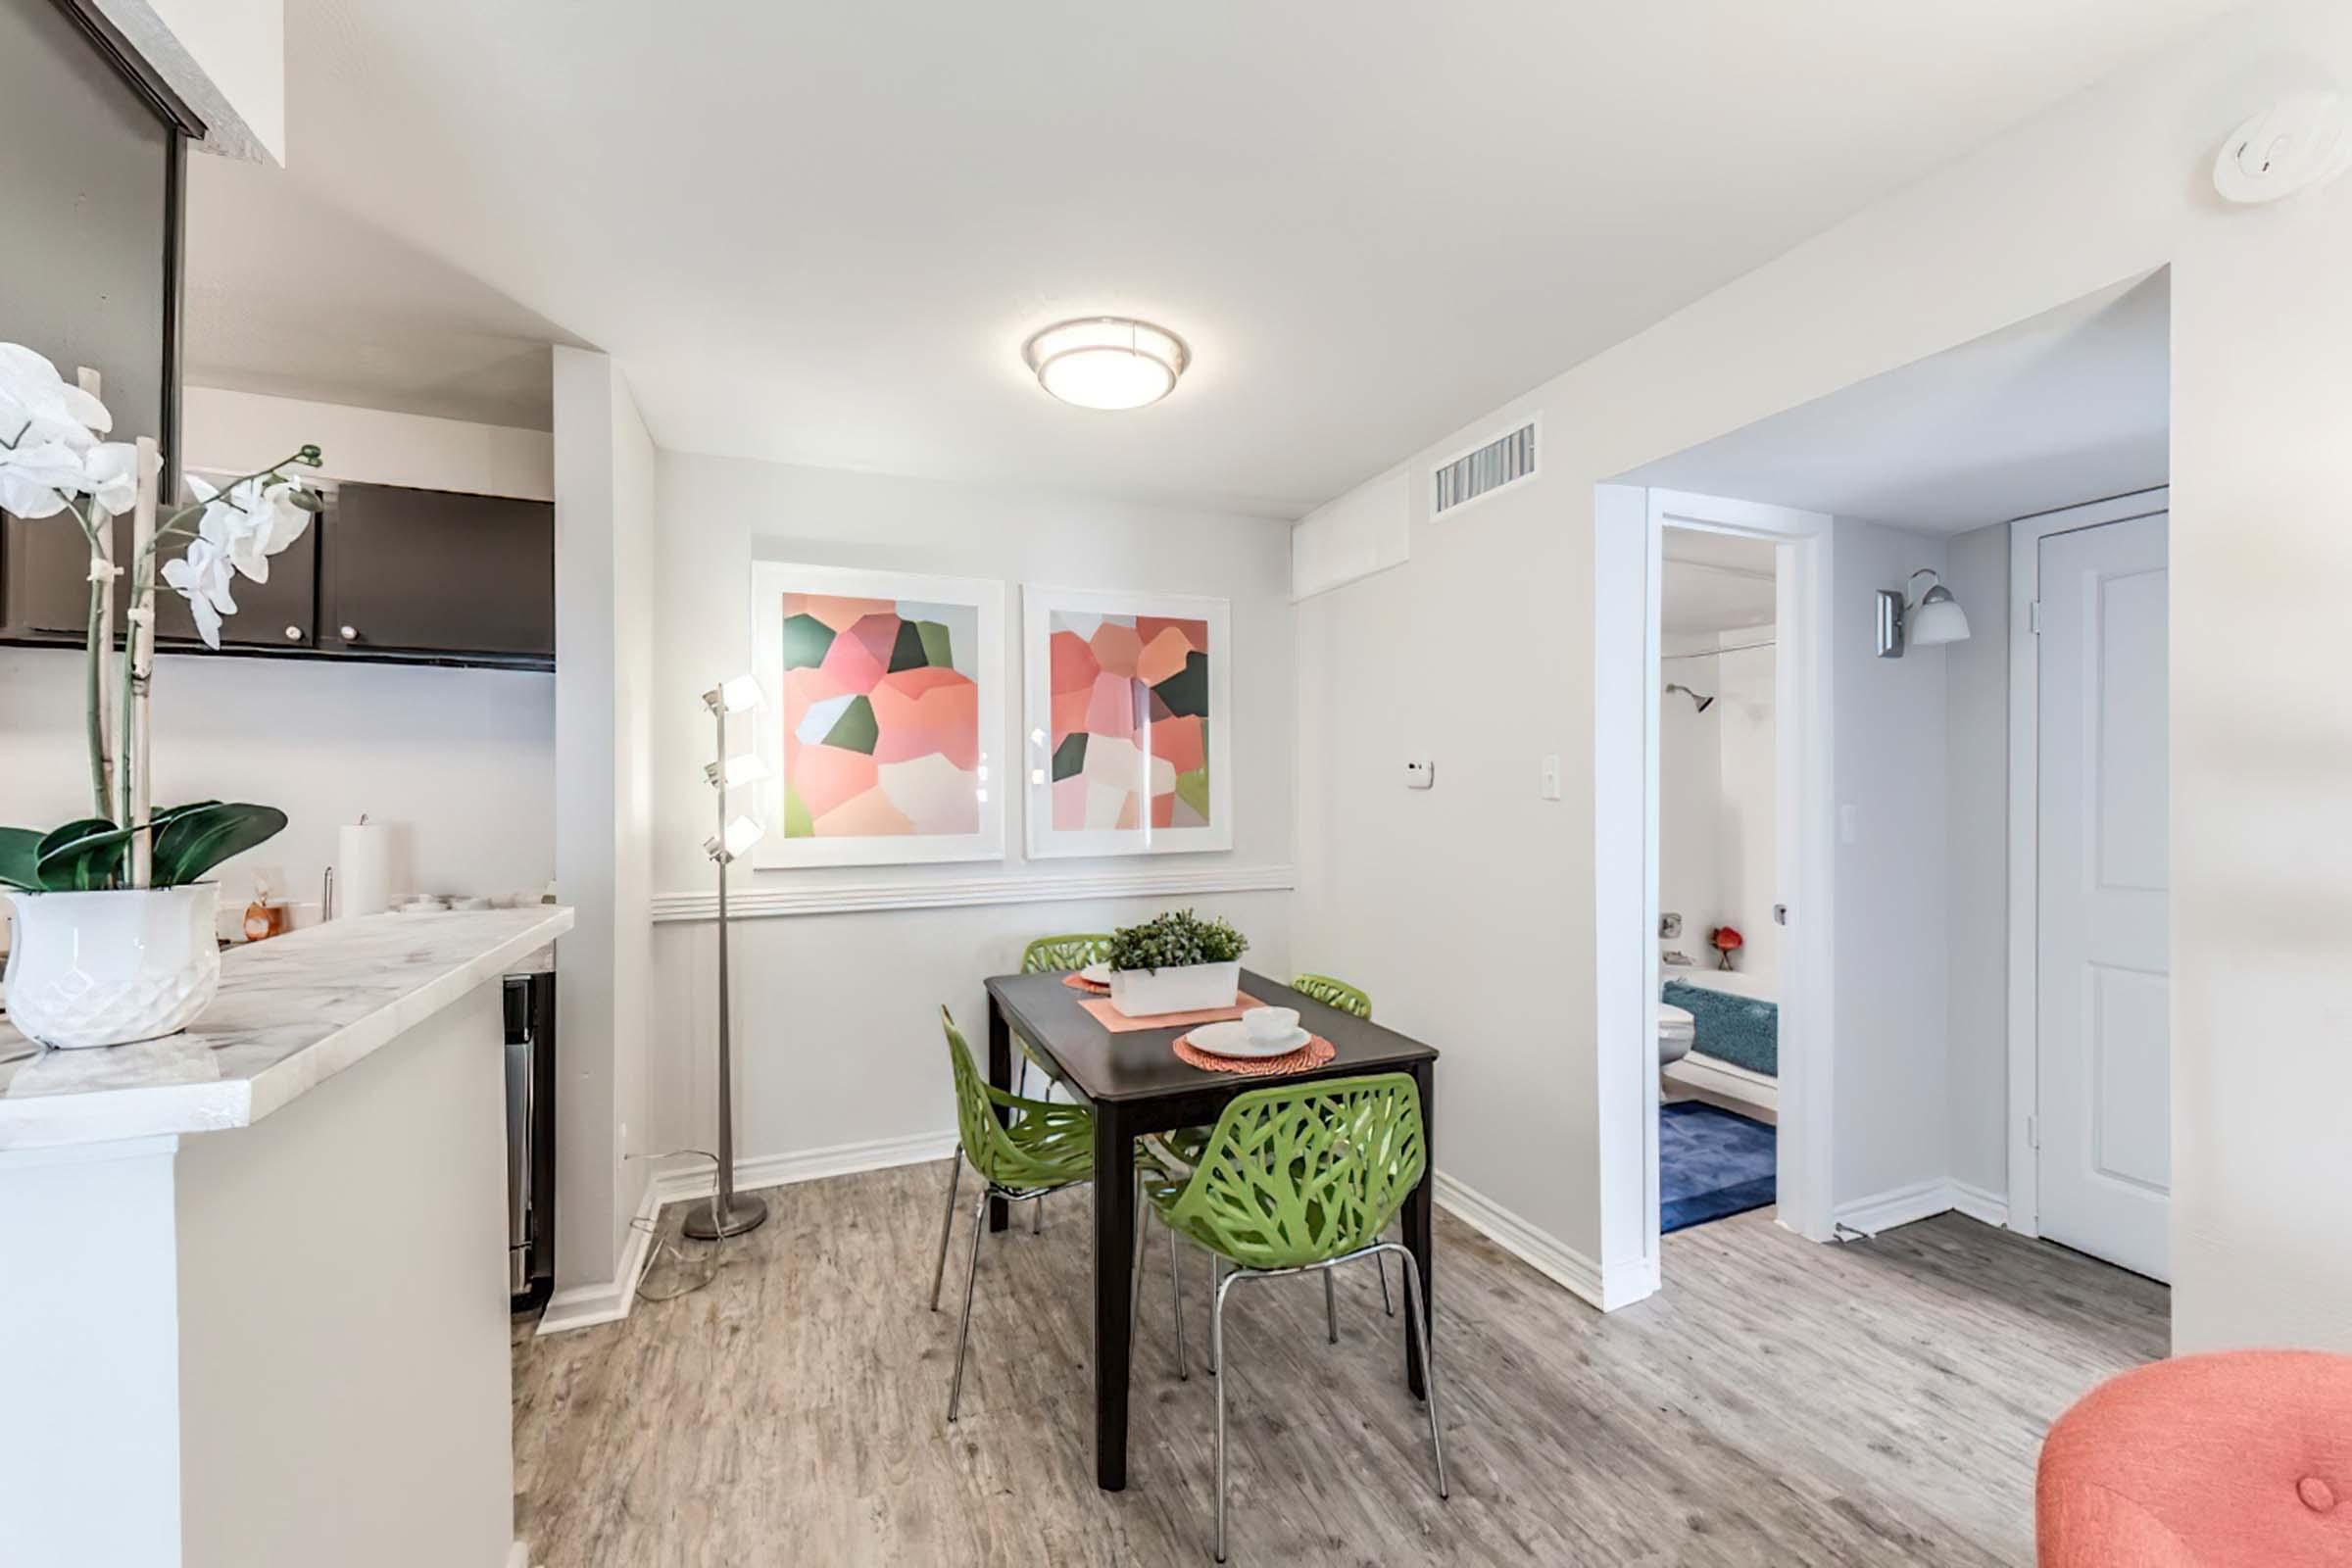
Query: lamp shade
point(1937, 620)
point(742, 692)
point(748, 768)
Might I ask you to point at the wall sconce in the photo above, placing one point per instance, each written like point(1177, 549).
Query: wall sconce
point(1931, 620)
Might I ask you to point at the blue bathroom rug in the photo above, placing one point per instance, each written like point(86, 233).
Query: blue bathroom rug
point(1711, 1163)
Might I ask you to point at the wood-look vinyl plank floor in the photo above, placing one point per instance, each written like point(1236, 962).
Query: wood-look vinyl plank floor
point(1777, 1403)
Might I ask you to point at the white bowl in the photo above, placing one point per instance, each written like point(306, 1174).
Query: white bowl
point(1270, 1023)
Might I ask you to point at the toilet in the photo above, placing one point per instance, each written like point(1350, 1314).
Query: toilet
point(1676, 1030)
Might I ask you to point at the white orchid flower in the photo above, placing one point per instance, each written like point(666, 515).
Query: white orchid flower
point(110, 473)
point(36, 477)
point(202, 577)
point(38, 405)
point(251, 522)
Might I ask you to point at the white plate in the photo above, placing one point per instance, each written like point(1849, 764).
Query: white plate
point(1099, 973)
point(1232, 1039)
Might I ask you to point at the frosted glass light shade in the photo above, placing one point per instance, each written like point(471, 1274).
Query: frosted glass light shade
point(736, 694)
point(749, 769)
point(741, 835)
point(1937, 620)
point(1107, 363)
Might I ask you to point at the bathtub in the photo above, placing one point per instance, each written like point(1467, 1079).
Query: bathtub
point(1746, 1088)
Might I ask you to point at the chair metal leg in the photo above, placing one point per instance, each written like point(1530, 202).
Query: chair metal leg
point(947, 1226)
point(1135, 1281)
point(1214, 1358)
point(1331, 1311)
point(1037, 1217)
point(971, 1272)
point(1183, 1373)
point(1216, 1344)
point(1380, 1261)
point(1413, 1308)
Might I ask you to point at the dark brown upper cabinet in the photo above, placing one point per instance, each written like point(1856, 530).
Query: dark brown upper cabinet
point(283, 612)
point(45, 576)
point(430, 572)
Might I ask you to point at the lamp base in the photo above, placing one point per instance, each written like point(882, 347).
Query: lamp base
point(705, 1223)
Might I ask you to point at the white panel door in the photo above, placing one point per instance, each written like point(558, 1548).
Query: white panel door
point(2105, 963)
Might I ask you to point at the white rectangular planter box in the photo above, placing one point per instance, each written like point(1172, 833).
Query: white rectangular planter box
point(1194, 987)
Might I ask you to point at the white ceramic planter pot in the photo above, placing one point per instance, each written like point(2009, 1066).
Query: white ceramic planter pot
point(1194, 987)
point(108, 968)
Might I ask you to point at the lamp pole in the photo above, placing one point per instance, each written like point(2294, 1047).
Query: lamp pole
point(726, 1215)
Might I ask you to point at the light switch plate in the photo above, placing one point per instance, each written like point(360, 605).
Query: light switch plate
point(1420, 775)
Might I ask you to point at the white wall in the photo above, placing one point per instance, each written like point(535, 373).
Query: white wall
point(1477, 651)
point(837, 1037)
point(1747, 836)
point(1890, 961)
point(1689, 801)
point(1975, 676)
point(461, 760)
point(604, 567)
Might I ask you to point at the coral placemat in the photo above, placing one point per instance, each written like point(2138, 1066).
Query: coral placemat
point(1314, 1053)
point(1081, 983)
point(1118, 1023)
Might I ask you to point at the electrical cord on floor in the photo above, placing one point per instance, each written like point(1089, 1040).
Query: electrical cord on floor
point(685, 1274)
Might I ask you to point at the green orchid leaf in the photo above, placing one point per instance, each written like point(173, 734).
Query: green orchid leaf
point(196, 838)
point(83, 856)
point(19, 858)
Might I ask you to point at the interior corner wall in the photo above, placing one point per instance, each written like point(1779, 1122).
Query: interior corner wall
point(1976, 675)
point(1476, 653)
point(604, 467)
point(839, 1060)
point(1891, 963)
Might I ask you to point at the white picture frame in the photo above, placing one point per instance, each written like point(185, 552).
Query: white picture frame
point(914, 788)
point(1195, 819)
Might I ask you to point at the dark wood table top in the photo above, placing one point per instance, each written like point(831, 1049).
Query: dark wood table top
point(1140, 1065)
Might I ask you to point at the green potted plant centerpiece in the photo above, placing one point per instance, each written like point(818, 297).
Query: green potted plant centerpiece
point(1178, 963)
point(114, 935)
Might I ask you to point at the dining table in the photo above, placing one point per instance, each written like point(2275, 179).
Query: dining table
point(1135, 1084)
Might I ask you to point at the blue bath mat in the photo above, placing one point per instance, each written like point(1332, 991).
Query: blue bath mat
point(1711, 1163)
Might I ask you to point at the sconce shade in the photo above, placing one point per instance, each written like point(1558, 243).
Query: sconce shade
point(1937, 620)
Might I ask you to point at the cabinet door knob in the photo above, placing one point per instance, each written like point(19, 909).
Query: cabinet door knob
point(350, 633)
point(293, 634)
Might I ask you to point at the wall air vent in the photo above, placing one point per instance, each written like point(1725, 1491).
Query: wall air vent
point(1504, 461)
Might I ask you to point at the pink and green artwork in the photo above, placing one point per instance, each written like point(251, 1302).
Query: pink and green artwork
point(882, 723)
point(1130, 739)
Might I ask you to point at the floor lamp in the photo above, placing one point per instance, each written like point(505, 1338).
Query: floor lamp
point(728, 1214)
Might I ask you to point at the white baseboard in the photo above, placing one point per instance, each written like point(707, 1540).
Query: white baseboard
point(584, 1306)
point(1985, 1209)
point(1901, 1205)
point(518, 1555)
point(1607, 1289)
point(807, 1165)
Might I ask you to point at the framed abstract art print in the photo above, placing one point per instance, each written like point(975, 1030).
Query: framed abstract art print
point(886, 709)
point(1127, 733)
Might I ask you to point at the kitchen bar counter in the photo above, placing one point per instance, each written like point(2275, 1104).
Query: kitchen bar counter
point(292, 1012)
point(254, 1277)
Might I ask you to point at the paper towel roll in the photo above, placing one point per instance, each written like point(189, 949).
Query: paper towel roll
point(363, 869)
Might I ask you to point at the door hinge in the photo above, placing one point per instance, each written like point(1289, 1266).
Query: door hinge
point(1780, 914)
point(2033, 1133)
point(2033, 616)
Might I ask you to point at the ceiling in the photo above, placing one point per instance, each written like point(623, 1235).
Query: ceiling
point(2070, 406)
point(1715, 582)
point(820, 233)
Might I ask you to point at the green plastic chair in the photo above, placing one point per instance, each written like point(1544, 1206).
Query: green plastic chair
point(1301, 1177)
point(1332, 993)
point(1047, 956)
point(1045, 1148)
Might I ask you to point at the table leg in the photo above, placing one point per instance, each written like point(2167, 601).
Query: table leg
point(999, 1073)
point(1114, 1248)
point(1420, 1212)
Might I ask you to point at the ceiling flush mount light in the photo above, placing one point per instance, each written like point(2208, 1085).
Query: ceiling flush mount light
point(1108, 362)
point(1931, 620)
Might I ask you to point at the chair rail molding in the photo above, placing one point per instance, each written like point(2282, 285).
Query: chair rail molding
point(796, 894)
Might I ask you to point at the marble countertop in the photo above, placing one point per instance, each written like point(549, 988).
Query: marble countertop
point(291, 1013)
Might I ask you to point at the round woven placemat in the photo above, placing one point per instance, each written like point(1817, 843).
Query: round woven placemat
point(1314, 1053)
point(1085, 987)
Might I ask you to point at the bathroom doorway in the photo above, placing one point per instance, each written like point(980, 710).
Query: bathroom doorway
point(1718, 877)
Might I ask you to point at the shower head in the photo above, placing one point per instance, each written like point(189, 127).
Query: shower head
point(1704, 703)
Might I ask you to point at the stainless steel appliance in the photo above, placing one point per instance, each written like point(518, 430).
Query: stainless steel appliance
point(530, 1006)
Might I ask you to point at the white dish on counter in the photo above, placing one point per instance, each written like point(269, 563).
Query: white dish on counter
point(1233, 1037)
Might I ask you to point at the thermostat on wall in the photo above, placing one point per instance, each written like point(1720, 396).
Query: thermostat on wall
point(1420, 775)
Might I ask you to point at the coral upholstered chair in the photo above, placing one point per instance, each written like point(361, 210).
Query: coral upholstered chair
point(2204, 1462)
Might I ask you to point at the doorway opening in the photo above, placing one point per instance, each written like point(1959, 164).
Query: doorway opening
point(1967, 1007)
